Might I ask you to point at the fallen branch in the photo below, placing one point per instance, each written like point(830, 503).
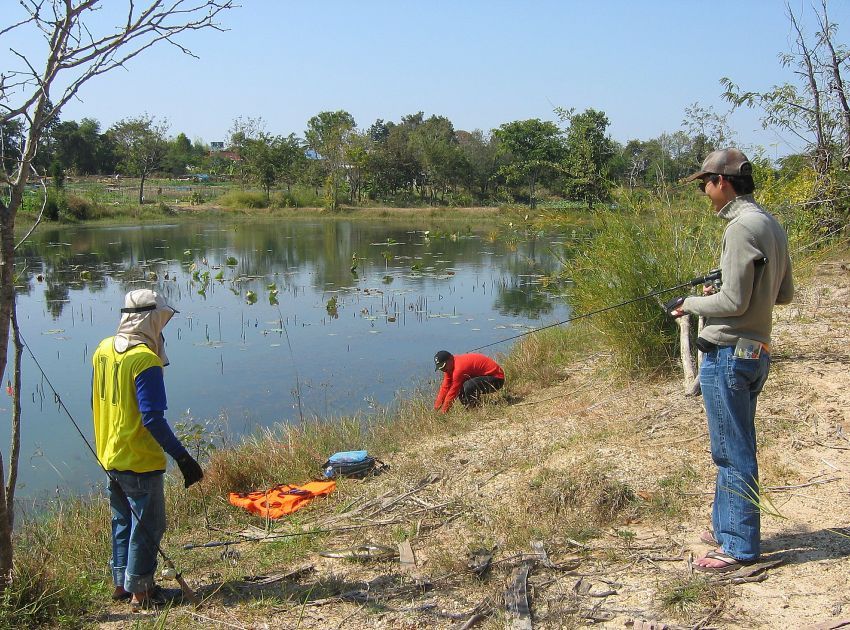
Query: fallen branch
point(516, 599)
point(483, 610)
point(216, 621)
point(828, 625)
point(803, 485)
point(837, 448)
point(704, 621)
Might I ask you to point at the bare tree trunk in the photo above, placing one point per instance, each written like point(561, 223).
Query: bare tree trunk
point(15, 449)
point(7, 296)
point(142, 188)
point(838, 83)
point(822, 150)
point(5, 537)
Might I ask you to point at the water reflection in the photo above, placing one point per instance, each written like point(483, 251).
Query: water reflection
point(358, 339)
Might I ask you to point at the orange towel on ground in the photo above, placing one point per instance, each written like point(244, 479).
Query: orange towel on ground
point(281, 500)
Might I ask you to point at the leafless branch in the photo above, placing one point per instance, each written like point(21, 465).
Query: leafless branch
point(74, 48)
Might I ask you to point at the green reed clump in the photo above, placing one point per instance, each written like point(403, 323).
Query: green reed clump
point(243, 199)
point(296, 197)
point(631, 254)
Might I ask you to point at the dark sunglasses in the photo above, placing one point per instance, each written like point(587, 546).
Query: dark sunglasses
point(710, 178)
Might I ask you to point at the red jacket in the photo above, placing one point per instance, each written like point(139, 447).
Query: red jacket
point(466, 366)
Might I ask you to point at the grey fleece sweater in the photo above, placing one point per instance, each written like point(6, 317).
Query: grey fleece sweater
point(744, 305)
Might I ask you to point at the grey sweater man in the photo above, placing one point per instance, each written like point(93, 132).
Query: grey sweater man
point(756, 274)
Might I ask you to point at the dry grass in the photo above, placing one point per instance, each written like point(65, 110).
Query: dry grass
point(539, 360)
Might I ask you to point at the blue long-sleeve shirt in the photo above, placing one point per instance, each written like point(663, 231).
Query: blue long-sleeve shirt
point(150, 392)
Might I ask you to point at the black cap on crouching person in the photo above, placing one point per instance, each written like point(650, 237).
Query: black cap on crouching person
point(729, 162)
point(441, 358)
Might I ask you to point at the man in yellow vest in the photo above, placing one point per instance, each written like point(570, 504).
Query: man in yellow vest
point(132, 437)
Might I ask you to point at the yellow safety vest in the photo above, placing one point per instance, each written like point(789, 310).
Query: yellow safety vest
point(122, 441)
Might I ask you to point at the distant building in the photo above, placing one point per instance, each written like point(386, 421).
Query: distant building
point(233, 156)
point(217, 150)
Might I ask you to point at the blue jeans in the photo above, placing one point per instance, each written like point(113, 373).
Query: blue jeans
point(136, 537)
point(730, 389)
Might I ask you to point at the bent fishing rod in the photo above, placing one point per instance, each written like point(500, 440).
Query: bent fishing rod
point(188, 593)
point(711, 276)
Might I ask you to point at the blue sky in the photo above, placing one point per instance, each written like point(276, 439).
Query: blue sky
point(480, 63)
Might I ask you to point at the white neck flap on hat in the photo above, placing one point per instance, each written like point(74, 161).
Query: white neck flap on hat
point(143, 317)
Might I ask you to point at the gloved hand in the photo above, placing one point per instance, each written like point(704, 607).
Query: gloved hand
point(673, 305)
point(191, 470)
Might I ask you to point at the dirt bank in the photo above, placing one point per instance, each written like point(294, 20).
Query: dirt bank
point(615, 481)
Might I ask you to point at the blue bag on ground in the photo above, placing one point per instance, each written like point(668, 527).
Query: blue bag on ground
point(355, 464)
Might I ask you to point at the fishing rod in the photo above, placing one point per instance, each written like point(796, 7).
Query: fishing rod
point(171, 570)
point(711, 276)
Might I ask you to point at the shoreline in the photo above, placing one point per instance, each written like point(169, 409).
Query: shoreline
point(612, 475)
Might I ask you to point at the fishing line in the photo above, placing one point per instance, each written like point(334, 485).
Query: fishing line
point(294, 365)
point(710, 276)
point(187, 592)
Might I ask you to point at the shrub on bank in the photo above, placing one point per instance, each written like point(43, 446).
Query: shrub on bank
point(243, 199)
point(632, 254)
point(78, 208)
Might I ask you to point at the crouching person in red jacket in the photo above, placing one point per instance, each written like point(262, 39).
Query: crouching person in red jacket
point(466, 377)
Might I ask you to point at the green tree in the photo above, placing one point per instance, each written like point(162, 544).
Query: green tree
point(273, 159)
point(533, 149)
point(357, 164)
point(11, 142)
point(243, 130)
point(141, 147)
point(588, 155)
point(434, 145)
point(329, 135)
point(392, 166)
point(481, 156)
point(81, 147)
point(179, 155)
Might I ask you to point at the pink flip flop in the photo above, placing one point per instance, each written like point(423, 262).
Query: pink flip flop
point(730, 563)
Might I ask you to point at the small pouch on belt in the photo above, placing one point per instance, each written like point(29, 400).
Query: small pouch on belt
point(750, 348)
point(705, 346)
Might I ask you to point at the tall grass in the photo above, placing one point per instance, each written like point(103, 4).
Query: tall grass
point(633, 253)
point(538, 360)
point(60, 568)
point(294, 453)
point(237, 199)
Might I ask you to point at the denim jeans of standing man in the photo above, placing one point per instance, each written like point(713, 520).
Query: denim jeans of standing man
point(730, 388)
point(135, 542)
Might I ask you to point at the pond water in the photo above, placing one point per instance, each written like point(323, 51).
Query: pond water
point(273, 324)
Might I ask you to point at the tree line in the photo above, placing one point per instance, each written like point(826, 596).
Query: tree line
point(417, 159)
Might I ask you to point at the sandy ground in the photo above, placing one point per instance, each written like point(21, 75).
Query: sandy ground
point(644, 435)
